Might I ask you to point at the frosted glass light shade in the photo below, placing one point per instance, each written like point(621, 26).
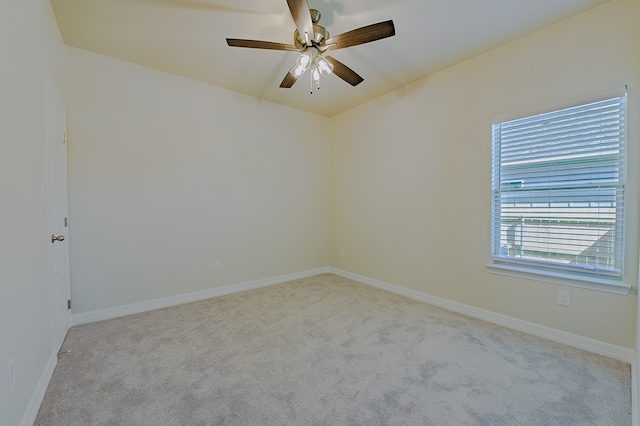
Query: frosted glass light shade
point(302, 64)
point(325, 67)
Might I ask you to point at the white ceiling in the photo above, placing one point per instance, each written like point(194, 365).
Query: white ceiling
point(187, 38)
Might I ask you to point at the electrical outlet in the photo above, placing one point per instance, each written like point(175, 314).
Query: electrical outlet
point(341, 252)
point(11, 374)
point(564, 298)
point(216, 265)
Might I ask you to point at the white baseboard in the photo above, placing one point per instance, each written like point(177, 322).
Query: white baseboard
point(37, 397)
point(135, 308)
point(584, 343)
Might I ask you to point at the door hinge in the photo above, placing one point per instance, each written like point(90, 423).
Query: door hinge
point(66, 223)
point(69, 304)
point(64, 138)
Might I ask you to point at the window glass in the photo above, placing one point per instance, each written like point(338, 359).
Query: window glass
point(558, 190)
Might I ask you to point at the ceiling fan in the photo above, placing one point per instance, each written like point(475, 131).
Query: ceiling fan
point(313, 41)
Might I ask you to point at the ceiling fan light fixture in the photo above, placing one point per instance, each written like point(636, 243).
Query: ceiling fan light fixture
point(325, 67)
point(302, 64)
point(321, 68)
point(305, 59)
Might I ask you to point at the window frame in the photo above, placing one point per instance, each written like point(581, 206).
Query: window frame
point(546, 270)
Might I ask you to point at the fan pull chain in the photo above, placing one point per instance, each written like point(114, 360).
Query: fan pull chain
point(315, 77)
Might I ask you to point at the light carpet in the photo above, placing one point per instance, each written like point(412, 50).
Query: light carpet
point(325, 351)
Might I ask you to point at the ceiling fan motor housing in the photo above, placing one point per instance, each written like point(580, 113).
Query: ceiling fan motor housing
point(319, 37)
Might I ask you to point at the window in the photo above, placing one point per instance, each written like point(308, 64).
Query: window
point(558, 182)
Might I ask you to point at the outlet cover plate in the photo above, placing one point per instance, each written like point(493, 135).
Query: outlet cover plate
point(564, 298)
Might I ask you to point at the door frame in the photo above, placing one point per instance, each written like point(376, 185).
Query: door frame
point(55, 132)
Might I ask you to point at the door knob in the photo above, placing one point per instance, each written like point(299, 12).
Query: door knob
point(58, 238)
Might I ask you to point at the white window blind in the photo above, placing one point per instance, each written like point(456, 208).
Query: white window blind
point(558, 190)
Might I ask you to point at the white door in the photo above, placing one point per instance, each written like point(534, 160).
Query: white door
point(57, 239)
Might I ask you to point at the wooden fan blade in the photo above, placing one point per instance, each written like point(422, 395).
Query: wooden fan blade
point(302, 17)
point(344, 72)
point(258, 44)
point(288, 81)
point(362, 35)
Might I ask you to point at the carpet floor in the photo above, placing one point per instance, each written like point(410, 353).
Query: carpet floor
point(325, 350)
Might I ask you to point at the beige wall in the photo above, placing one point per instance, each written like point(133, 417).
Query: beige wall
point(31, 58)
point(168, 175)
point(411, 184)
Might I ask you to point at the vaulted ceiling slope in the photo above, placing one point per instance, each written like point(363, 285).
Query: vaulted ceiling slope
point(188, 38)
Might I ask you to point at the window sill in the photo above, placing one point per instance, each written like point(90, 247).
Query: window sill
point(599, 284)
